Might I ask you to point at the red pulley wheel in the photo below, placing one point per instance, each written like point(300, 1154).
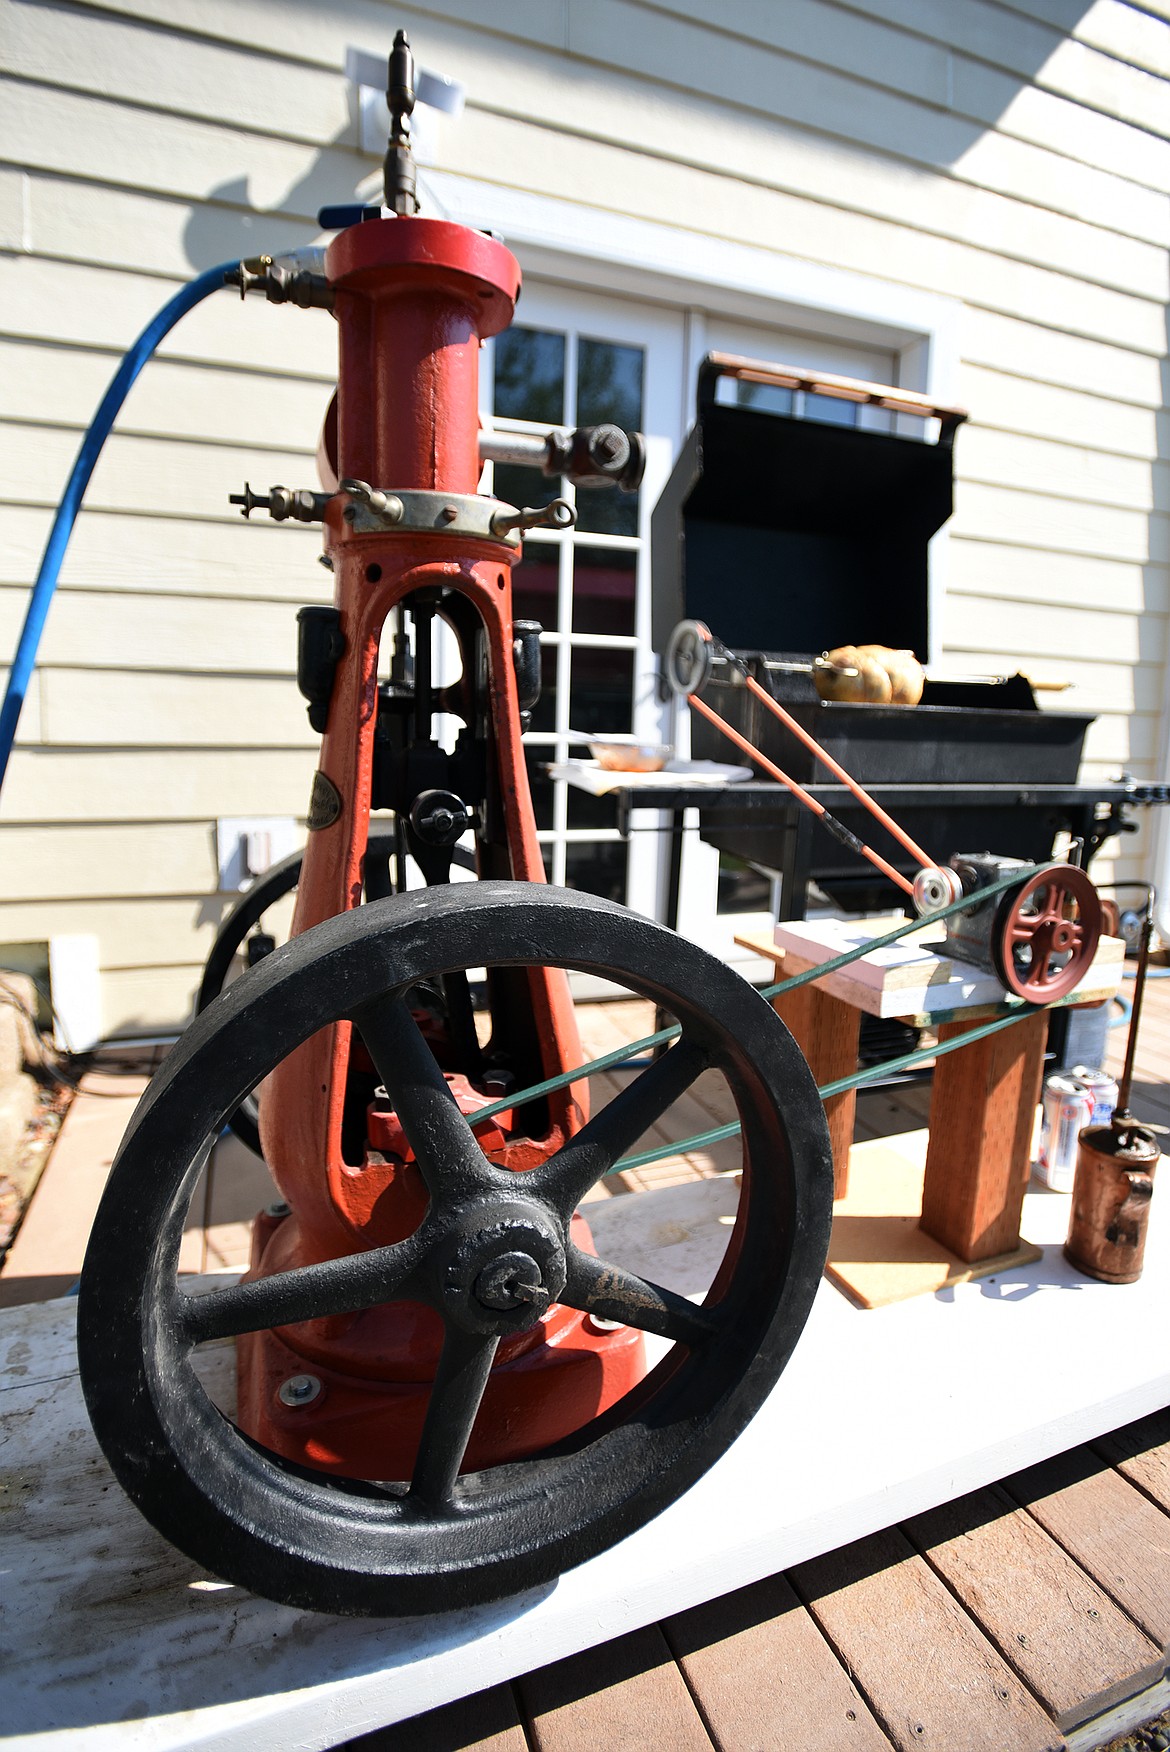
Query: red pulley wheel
point(1047, 933)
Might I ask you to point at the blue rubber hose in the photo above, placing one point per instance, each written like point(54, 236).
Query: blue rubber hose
point(135, 358)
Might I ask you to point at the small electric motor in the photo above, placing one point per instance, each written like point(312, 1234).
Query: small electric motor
point(1039, 938)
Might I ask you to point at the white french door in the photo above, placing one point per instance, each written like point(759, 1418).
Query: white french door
point(575, 358)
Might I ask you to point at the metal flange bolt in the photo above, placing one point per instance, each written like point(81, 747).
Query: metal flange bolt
point(299, 1390)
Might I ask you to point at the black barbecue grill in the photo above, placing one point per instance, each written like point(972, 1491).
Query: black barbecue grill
point(789, 536)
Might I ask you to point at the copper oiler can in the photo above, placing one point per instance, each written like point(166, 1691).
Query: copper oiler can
point(1111, 1200)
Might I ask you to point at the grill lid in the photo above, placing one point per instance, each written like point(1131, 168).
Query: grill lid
point(786, 534)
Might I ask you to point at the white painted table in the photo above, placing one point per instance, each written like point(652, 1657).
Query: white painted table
point(111, 1639)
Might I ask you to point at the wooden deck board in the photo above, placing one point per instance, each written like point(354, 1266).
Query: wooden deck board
point(929, 1673)
point(1072, 1646)
point(624, 1696)
point(1142, 1452)
point(763, 1675)
point(1109, 1526)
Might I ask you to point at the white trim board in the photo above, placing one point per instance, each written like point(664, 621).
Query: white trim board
point(616, 252)
point(116, 1641)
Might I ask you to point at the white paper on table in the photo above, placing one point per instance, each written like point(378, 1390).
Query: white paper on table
point(589, 775)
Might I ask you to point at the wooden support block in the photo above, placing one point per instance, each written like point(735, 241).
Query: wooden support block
point(982, 1113)
point(1073, 1647)
point(826, 1031)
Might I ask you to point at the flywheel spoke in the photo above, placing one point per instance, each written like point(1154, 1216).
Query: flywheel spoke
point(611, 1132)
point(335, 1286)
point(460, 1379)
point(444, 1145)
point(612, 1293)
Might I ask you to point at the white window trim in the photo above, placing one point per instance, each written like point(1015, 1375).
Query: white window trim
point(587, 246)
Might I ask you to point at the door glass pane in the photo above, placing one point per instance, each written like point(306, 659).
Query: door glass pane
point(544, 712)
point(598, 869)
point(609, 384)
point(603, 590)
point(609, 388)
point(534, 586)
point(601, 691)
point(524, 487)
point(607, 511)
point(586, 810)
point(530, 376)
point(830, 410)
point(541, 785)
point(766, 398)
point(742, 887)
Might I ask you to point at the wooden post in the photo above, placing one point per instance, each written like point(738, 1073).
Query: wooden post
point(826, 1031)
point(982, 1111)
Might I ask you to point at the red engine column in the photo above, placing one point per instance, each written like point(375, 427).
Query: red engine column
point(414, 298)
point(413, 301)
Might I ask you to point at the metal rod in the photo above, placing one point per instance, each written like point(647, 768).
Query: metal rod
point(1135, 1015)
point(838, 771)
point(799, 792)
point(522, 447)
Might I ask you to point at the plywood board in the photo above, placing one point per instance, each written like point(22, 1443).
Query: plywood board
point(487, 1722)
point(877, 1252)
point(952, 1391)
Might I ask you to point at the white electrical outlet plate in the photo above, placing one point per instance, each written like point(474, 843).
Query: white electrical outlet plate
point(248, 845)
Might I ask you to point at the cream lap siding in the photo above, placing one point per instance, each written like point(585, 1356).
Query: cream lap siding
point(1013, 159)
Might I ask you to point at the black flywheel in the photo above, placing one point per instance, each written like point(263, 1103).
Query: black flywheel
point(443, 1538)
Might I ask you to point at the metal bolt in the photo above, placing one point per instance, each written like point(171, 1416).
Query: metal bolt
point(279, 1210)
point(608, 442)
point(448, 514)
point(298, 1390)
point(597, 1324)
point(509, 1281)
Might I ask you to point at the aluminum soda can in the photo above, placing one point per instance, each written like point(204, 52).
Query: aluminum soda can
point(1067, 1108)
point(1102, 1087)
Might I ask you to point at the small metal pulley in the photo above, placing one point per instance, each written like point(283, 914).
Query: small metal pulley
point(687, 662)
